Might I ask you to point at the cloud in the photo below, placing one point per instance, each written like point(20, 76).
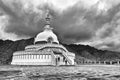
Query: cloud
point(25, 21)
point(3, 34)
point(108, 36)
point(93, 22)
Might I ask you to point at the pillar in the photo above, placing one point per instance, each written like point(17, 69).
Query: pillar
point(32, 56)
point(94, 62)
point(82, 62)
point(21, 57)
point(104, 62)
point(18, 56)
point(24, 56)
point(110, 62)
point(36, 56)
point(118, 62)
point(89, 62)
point(39, 56)
point(44, 56)
point(28, 56)
point(48, 56)
point(99, 62)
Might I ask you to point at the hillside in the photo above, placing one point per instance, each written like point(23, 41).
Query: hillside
point(81, 51)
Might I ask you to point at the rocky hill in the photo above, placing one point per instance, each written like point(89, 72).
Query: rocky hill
point(81, 51)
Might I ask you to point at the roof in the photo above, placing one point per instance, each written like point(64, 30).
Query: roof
point(41, 46)
point(47, 33)
point(31, 52)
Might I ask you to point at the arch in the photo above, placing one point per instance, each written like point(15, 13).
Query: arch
point(41, 42)
point(50, 39)
point(54, 42)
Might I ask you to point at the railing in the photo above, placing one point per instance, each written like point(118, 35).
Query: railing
point(53, 45)
point(44, 45)
point(69, 61)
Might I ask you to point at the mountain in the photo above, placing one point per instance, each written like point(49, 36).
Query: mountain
point(7, 48)
point(86, 52)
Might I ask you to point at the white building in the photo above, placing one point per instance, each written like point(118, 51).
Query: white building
point(45, 51)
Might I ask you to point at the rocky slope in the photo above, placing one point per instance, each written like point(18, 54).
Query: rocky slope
point(81, 51)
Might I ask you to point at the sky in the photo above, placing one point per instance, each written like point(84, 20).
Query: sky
point(89, 22)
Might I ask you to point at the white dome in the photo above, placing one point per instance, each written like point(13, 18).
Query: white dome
point(47, 33)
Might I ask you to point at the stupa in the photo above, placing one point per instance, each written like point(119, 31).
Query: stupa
point(46, 50)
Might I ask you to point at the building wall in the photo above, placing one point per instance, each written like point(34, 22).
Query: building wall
point(42, 59)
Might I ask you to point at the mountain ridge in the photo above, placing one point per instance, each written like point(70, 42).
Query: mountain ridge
point(8, 47)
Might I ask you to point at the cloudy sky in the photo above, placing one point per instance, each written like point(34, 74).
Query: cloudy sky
point(92, 22)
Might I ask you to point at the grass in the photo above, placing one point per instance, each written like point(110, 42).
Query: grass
point(90, 72)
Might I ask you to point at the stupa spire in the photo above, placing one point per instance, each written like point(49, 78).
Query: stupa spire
point(48, 17)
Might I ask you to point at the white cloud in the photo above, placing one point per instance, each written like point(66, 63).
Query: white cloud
point(4, 35)
point(62, 5)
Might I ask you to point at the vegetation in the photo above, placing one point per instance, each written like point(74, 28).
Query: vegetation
point(7, 48)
